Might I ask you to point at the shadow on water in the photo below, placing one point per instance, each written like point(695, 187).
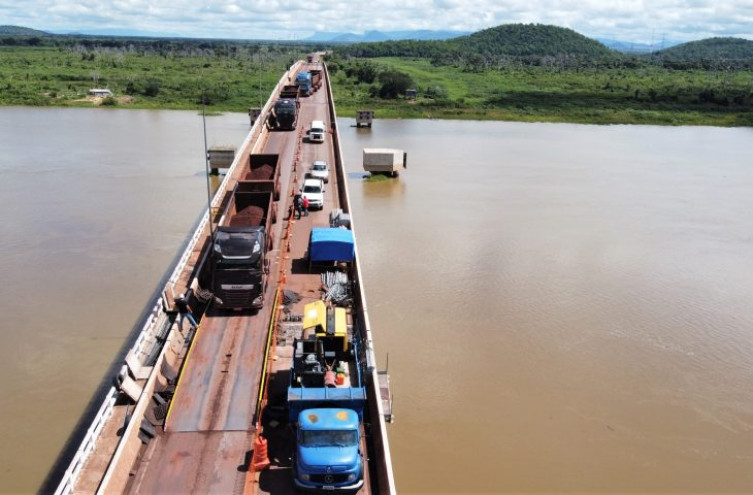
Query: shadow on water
point(384, 188)
point(357, 175)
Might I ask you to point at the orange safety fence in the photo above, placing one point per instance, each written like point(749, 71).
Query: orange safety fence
point(260, 459)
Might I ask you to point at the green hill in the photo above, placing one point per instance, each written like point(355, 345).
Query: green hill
point(520, 41)
point(20, 31)
point(530, 40)
point(710, 49)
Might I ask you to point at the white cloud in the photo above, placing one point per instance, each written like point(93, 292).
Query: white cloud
point(629, 20)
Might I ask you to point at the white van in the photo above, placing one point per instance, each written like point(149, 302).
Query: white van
point(316, 132)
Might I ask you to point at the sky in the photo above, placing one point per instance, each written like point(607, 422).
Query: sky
point(637, 21)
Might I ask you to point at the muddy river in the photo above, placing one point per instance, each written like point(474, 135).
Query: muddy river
point(566, 308)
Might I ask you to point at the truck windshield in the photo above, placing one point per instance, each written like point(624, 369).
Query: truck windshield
point(323, 438)
point(285, 107)
point(312, 189)
point(238, 245)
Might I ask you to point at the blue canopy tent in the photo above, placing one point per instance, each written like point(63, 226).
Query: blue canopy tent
point(331, 245)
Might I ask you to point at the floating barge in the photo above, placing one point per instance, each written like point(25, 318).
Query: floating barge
point(205, 409)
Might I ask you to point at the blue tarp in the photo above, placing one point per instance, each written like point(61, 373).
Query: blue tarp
point(331, 245)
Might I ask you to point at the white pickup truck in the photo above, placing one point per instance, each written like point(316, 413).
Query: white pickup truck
point(313, 189)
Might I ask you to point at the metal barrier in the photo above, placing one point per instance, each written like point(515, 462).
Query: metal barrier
point(385, 473)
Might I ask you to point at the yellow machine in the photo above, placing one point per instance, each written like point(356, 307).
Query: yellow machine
point(327, 323)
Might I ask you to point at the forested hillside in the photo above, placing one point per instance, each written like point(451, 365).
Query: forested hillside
point(530, 40)
point(711, 50)
point(533, 44)
point(20, 31)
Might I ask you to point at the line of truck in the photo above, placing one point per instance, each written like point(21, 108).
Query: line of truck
point(322, 382)
point(326, 396)
point(284, 114)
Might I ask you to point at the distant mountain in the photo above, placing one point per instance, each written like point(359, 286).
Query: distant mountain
point(122, 32)
point(630, 47)
point(377, 36)
point(370, 36)
point(512, 41)
point(524, 41)
point(21, 31)
point(710, 49)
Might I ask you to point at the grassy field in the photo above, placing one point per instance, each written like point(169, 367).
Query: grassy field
point(179, 79)
point(646, 95)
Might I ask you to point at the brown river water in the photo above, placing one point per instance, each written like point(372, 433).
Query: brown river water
point(566, 308)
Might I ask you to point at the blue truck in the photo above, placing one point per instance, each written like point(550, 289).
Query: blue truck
point(303, 81)
point(326, 401)
point(328, 454)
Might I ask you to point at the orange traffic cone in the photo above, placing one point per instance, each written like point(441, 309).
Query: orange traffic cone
point(260, 461)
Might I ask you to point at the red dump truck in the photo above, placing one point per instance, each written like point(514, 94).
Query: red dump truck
point(263, 174)
point(316, 79)
point(239, 252)
point(289, 91)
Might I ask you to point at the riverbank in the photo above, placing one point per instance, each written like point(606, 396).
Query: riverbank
point(646, 94)
point(233, 81)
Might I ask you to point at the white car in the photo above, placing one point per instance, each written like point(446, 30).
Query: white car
point(319, 170)
point(313, 189)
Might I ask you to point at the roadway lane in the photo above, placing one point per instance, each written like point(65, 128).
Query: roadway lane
point(210, 429)
point(217, 391)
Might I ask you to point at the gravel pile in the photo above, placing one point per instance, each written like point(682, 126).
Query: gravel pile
point(261, 173)
point(250, 216)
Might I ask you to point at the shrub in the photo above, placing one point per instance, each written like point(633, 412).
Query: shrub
point(394, 84)
point(152, 87)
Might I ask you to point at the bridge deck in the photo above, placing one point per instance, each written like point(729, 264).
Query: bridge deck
point(211, 426)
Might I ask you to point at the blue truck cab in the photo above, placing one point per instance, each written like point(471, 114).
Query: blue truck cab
point(328, 456)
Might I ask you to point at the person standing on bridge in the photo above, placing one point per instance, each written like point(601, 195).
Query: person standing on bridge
point(305, 206)
point(297, 205)
point(184, 311)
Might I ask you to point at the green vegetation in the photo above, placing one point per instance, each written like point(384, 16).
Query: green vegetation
point(491, 47)
point(724, 52)
point(645, 95)
point(376, 178)
point(546, 73)
point(141, 74)
point(515, 72)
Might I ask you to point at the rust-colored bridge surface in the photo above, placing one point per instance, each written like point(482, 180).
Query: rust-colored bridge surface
point(211, 422)
point(209, 432)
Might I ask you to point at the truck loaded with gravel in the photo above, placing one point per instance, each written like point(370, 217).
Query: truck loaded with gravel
point(239, 264)
point(263, 173)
